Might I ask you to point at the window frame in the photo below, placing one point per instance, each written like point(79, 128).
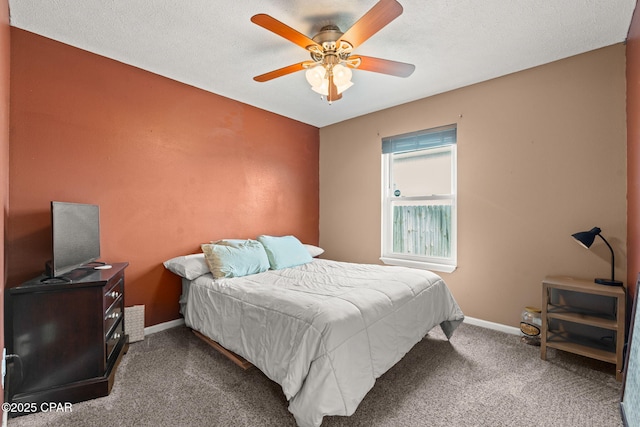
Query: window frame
point(440, 264)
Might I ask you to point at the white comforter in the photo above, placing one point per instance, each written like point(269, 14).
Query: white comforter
point(325, 330)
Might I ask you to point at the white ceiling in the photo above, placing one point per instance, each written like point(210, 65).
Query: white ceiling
point(212, 45)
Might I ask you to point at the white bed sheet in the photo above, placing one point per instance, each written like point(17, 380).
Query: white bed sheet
point(325, 330)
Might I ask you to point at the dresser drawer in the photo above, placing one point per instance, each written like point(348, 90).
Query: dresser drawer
point(112, 316)
point(113, 339)
point(112, 293)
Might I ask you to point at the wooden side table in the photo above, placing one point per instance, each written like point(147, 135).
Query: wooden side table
point(571, 324)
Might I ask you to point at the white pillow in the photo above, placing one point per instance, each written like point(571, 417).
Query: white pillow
point(314, 251)
point(188, 266)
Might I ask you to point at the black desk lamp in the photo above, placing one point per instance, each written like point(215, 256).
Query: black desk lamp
point(586, 238)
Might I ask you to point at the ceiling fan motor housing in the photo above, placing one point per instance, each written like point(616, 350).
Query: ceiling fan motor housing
point(331, 52)
point(328, 34)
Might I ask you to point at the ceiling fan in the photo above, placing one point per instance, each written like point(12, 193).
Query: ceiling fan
point(329, 71)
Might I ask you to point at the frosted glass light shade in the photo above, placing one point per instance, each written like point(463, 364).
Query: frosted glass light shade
point(315, 75)
point(341, 75)
point(322, 88)
point(342, 88)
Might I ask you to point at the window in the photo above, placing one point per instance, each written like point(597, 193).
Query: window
point(419, 199)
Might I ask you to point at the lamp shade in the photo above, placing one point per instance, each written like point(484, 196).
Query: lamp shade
point(586, 238)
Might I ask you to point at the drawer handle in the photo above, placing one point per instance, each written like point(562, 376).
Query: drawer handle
point(113, 294)
point(113, 315)
point(116, 336)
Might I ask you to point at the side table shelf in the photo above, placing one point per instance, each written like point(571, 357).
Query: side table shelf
point(592, 328)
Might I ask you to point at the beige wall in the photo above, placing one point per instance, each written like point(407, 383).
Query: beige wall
point(541, 155)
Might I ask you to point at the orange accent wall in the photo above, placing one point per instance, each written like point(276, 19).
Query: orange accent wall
point(633, 152)
point(4, 150)
point(171, 166)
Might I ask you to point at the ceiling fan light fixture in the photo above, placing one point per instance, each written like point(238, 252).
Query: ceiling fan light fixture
point(316, 75)
point(342, 88)
point(329, 73)
point(342, 75)
point(322, 89)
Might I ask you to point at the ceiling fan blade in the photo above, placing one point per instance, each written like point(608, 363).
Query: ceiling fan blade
point(281, 72)
point(384, 66)
point(283, 30)
point(373, 21)
point(333, 91)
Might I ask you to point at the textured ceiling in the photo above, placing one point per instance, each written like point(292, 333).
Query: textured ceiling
point(213, 45)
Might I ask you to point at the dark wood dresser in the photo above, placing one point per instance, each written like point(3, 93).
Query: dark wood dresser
point(69, 337)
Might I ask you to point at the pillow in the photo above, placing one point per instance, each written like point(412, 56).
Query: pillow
point(285, 251)
point(314, 251)
point(236, 261)
point(188, 266)
point(231, 242)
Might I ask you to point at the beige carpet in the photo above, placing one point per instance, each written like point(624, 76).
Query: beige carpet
point(480, 378)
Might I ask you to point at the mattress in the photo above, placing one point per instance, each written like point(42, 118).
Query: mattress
point(324, 330)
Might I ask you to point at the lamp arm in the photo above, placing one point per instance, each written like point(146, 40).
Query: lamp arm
point(613, 262)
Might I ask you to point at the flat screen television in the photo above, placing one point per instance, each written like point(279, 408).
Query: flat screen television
point(75, 231)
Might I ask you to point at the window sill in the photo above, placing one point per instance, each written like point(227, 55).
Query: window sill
point(443, 268)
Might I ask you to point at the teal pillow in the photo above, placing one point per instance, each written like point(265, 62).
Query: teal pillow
point(285, 251)
point(236, 261)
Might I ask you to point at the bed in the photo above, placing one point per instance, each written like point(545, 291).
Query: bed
point(323, 330)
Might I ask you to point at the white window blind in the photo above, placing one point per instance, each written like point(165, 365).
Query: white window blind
point(424, 139)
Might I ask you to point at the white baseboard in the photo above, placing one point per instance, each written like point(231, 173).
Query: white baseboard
point(163, 326)
point(491, 325)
